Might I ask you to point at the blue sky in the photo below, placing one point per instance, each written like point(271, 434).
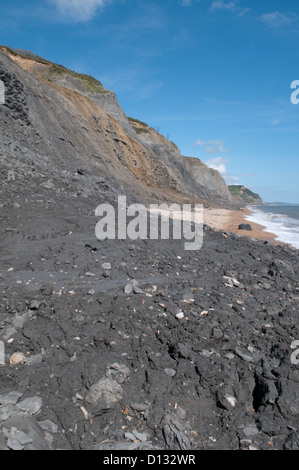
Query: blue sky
point(214, 76)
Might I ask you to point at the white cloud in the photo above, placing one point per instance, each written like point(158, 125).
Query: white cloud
point(219, 164)
point(230, 179)
point(200, 142)
point(231, 6)
point(79, 10)
point(220, 5)
point(276, 19)
point(212, 146)
point(186, 3)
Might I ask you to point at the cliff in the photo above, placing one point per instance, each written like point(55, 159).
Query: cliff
point(208, 177)
point(59, 121)
point(245, 196)
point(125, 344)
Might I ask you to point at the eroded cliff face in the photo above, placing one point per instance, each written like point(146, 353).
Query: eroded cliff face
point(208, 177)
point(56, 121)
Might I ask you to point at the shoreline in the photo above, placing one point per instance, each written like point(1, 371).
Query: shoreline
point(229, 220)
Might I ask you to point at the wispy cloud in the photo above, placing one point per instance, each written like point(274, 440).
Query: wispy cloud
point(231, 6)
point(212, 146)
point(78, 10)
point(277, 19)
point(136, 80)
point(186, 3)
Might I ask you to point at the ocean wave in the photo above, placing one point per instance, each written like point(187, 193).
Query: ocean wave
point(283, 227)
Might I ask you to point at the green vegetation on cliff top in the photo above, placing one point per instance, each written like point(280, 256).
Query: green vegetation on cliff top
point(54, 70)
point(241, 192)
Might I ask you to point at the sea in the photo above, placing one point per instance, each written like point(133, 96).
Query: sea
point(280, 219)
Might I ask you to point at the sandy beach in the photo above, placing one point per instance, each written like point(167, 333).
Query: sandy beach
point(229, 221)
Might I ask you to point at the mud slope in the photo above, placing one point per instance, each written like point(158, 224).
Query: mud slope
point(52, 121)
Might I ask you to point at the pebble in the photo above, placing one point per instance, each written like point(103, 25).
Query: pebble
point(180, 315)
point(170, 372)
point(128, 289)
point(34, 305)
point(16, 359)
point(231, 400)
point(137, 290)
point(106, 266)
point(217, 334)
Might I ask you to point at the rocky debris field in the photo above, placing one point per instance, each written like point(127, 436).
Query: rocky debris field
point(140, 345)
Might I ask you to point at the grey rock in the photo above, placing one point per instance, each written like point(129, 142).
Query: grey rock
point(288, 400)
point(140, 436)
point(19, 436)
point(106, 266)
point(130, 436)
point(10, 398)
point(29, 426)
point(251, 430)
point(139, 406)
point(255, 357)
point(245, 227)
point(180, 315)
point(230, 356)
point(49, 426)
point(14, 444)
point(268, 425)
point(217, 333)
point(31, 405)
point(34, 360)
point(6, 411)
point(120, 372)
point(170, 372)
point(283, 266)
point(128, 289)
point(137, 290)
point(9, 332)
point(19, 320)
point(205, 353)
point(34, 305)
point(174, 432)
point(292, 441)
point(106, 391)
